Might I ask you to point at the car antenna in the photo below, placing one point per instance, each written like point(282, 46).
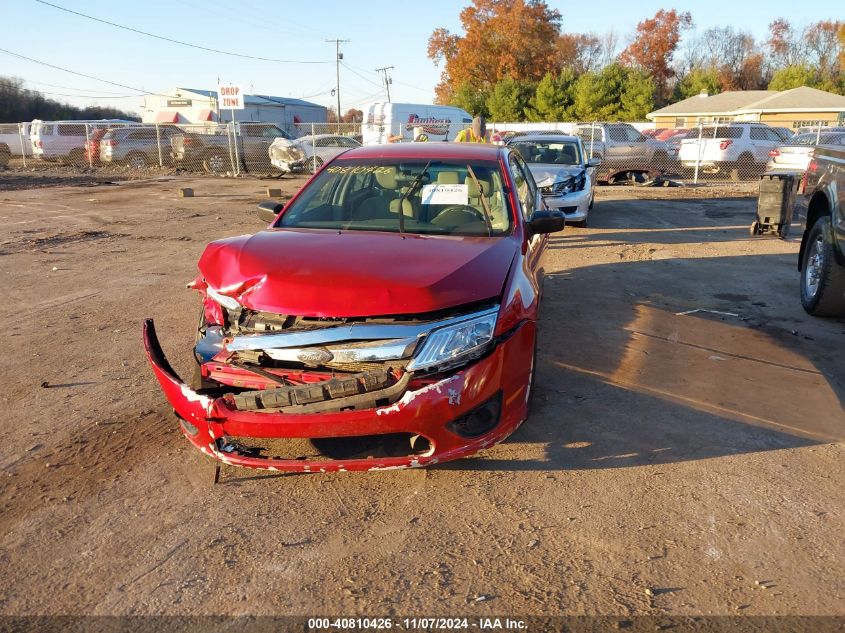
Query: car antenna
point(406, 195)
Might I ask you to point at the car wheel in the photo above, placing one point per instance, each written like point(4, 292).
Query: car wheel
point(314, 163)
point(532, 379)
point(745, 167)
point(822, 278)
point(592, 200)
point(5, 156)
point(77, 158)
point(216, 163)
point(136, 161)
point(754, 229)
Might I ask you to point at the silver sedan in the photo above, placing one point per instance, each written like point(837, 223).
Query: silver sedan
point(562, 171)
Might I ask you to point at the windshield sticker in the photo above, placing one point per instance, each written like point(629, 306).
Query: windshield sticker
point(360, 169)
point(445, 194)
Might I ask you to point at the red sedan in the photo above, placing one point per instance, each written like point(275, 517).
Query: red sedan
point(386, 318)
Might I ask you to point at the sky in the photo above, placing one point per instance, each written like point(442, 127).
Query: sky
point(380, 34)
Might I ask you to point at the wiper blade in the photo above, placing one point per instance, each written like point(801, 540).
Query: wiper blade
point(484, 206)
point(408, 194)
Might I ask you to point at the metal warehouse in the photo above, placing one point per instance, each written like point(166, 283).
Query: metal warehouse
point(187, 105)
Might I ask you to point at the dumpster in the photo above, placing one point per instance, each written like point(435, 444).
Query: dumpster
point(774, 203)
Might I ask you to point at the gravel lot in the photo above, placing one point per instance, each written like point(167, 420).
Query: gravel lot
point(676, 463)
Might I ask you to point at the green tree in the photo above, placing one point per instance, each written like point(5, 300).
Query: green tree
point(554, 99)
point(597, 95)
point(509, 100)
point(793, 77)
point(637, 98)
point(696, 81)
point(471, 99)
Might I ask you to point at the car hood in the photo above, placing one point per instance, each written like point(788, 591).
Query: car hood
point(545, 175)
point(307, 272)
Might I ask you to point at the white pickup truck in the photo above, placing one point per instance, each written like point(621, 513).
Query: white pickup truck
point(14, 141)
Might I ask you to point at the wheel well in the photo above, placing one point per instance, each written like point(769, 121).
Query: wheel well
point(818, 207)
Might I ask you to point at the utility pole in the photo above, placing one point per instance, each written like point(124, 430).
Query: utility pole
point(338, 59)
point(387, 80)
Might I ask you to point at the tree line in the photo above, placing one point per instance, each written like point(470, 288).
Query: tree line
point(513, 62)
point(21, 104)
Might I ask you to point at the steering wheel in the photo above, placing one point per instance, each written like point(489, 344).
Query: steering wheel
point(462, 209)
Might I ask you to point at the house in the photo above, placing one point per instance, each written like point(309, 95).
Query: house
point(187, 105)
point(798, 107)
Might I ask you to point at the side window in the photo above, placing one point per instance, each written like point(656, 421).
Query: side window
point(758, 134)
point(71, 130)
point(617, 135)
point(634, 136)
point(346, 142)
point(774, 136)
point(323, 142)
point(524, 183)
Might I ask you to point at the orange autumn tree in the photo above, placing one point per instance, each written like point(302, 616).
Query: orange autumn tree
point(502, 38)
point(654, 46)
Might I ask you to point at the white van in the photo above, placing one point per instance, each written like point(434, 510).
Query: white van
point(14, 140)
point(65, 140)
point(386, 122)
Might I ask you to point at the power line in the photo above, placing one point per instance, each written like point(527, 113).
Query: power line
point(181, 43)
point(73, 72)
point(354, 72)
point(62, 94)
point(44, 83)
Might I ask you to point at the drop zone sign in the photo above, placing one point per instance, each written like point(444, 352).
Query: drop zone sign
point(230, 97)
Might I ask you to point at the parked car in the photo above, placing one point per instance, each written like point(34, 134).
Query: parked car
point(820, 211)
point(741, 149)
point(212, 148)
point(391, 303)
point(796, 155)
point(562, 171)
point(65, 140)
point(91, 154)
point(321, 148)
point(784, 132)
point(138, 146)
point(14, 141)
point(622, 150)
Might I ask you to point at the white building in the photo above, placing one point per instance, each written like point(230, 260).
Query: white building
point(187, 105)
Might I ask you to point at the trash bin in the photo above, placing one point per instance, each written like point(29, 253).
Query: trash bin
point(774, 203)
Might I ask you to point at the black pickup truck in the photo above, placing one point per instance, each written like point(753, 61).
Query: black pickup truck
point(212, 148)
point(821, 210)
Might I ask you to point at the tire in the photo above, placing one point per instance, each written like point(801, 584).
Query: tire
point(754, 229)
point(532, 380)
point(77, 158)
point(592, 200)
point(745, 166)
point(137, 160)
point(5, 156)
point(216, 163)
point(822, 277)
point(314, 163)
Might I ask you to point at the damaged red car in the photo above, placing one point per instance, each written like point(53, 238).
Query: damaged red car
point(386, 318)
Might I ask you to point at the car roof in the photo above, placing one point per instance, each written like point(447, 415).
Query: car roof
point(427, 151)
point(544, 137)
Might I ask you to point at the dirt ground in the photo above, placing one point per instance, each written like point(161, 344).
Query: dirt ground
point(679, 461)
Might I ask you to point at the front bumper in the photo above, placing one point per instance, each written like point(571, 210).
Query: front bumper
point(288, 166)
point(425, 412)
point(575, 205)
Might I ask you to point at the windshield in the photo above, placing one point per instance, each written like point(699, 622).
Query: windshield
point(549, 152)
point(440, 198)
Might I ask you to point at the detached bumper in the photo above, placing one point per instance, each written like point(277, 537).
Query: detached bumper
point(425, 412)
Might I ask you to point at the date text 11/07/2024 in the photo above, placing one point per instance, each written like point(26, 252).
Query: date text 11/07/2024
point(415, 624)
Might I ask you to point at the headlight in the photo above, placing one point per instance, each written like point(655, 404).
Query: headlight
point(223, 300)
point(456, 342)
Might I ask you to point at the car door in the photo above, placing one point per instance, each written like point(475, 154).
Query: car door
point(526, 193)
point(759, 143)
point(618, 146)
point(638, 149)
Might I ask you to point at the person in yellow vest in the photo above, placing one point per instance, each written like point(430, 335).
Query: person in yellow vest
point(477, 133)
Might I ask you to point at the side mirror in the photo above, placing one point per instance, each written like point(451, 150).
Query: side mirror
point(544, 221)
point(268, 210)
point(594, 162)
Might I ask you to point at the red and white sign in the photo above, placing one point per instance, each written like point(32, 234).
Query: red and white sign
point(230, 97)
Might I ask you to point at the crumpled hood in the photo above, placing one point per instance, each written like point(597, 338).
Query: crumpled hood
point(322, 273)
point(545, 176)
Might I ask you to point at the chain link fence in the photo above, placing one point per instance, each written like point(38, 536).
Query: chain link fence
point(624, 153)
